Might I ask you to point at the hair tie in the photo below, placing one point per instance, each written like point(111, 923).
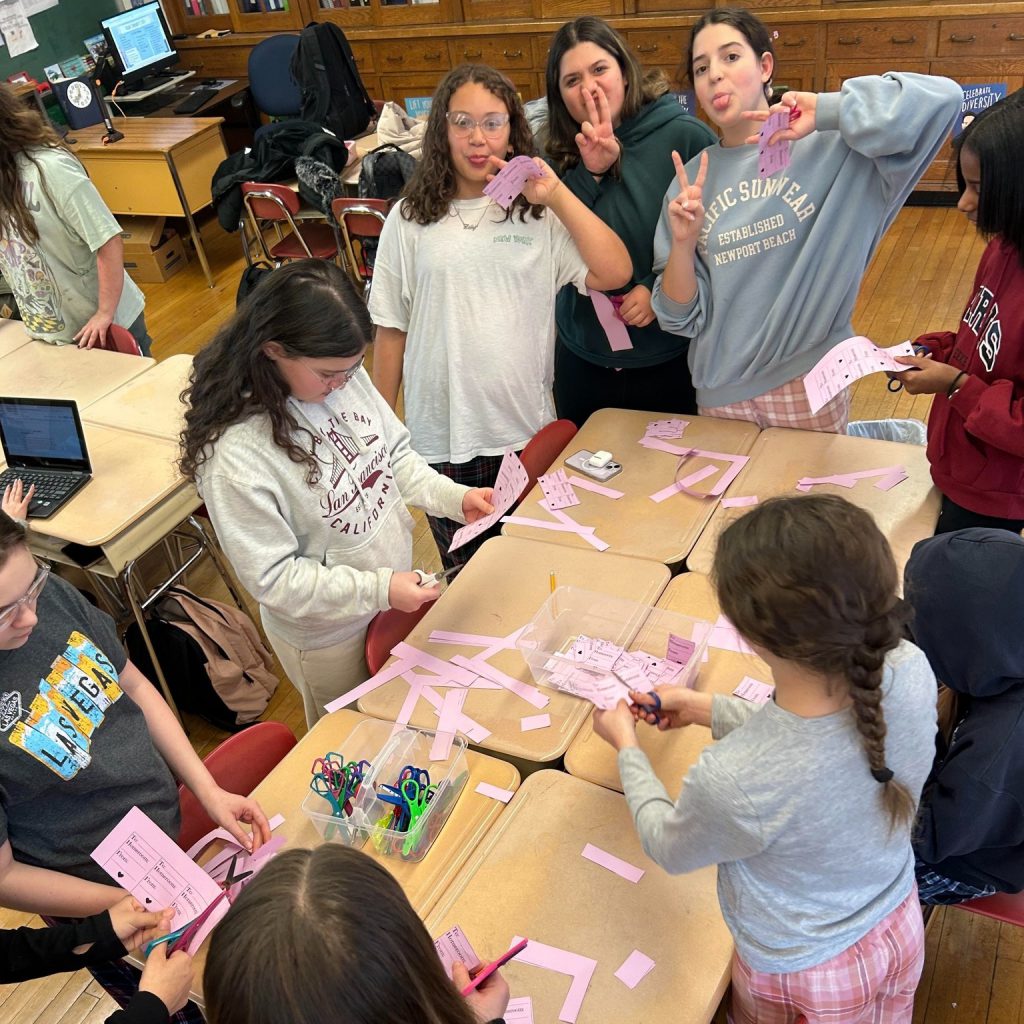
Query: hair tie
point(881, 775)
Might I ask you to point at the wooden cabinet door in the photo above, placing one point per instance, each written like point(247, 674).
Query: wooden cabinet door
point(509, 53)
point(982, 37)
point(664, 48)
point(496, 10)
point(418, 12)
point(219, 59)
point(895, 41)
point(423, 54)
point(397, 87)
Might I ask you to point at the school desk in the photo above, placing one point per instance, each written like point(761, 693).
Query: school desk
point(634, 524)
point(12, 337)
point(148, 404)
point(285, 788)
point(528, 878)
point(500, 589)
point(780, 457)
point(161, 168)
point(674, 752)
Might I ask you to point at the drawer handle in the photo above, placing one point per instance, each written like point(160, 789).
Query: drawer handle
point(798, 42)
point(472, 54)
point(962, 39)
point(906, 41)
point(855, 41)
point(1015, 37)
point(647, 49)
point(512, 54)
point(432, 56)
point(395, 59)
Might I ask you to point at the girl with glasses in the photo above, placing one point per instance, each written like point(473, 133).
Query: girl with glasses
point(464, 294)
point(306, 474)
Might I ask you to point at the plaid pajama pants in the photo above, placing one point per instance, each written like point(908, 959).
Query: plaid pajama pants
point(872, 982)
point(939, 890)
point(787, 406)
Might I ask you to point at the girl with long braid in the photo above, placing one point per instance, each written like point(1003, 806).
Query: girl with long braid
point(805, 803)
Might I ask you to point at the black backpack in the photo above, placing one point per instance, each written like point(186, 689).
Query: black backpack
point(333, 94)
point(385, 171)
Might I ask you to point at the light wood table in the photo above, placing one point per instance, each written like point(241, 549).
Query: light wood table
point(40, 370)
point(473, 815)
point(12, 337)
point(634, 525)
point(149, 404)
point(162, 167)
point(528, 878)
point(674, 752)
point(780, 457)
point(501, 589)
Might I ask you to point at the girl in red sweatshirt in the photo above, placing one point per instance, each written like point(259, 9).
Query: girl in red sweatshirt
point(976, 426)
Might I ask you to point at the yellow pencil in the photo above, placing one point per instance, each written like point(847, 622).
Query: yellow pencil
point(554, 581)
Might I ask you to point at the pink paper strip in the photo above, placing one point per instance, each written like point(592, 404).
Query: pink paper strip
point(524, 690)
point(635, 968)
point(695, 478)
point(232, 843)
point(749, 499)
point(471, 729)
point(510, 483)
point(409, 705)
point(495, 793)
point(443, 636)
point(607, 860)
point(656, 444)
point(614, 328)
point(534, 722)
point(579, 968)
point(592, 485)
point(385, 675)
point(586, 532)
point(421, 659)
point(544, 524)
point(447, 724)
point(773, 158)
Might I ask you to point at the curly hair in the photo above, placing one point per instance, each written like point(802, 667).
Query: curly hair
point(22, 129)
point(640, 89)
point(428, 196)
point(310, 308)
point(812, 580)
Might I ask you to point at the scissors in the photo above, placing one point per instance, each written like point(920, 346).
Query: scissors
point(339, 797)
point(894, 384)
point(393, 795)
point(646, 709)
point(417, 798)
point(420, 775)
point(430, 579)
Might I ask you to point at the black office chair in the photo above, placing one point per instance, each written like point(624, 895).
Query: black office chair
point(274, 91)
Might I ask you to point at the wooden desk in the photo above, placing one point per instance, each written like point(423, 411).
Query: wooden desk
point(162, 167)
point(41, 370)
point(528, 878)
point(672, 753)
point(634, 525)
point(12, 337)
point(780, 457)
point(284, 789)
point(149, 404)
point(500, 589)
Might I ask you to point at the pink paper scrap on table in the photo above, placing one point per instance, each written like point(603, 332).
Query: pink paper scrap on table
point(888, 478)
point(628, 871)
point(519, 1010)
point(580, 482)
point(534, 722)
point(523, 690)
point(749, 499)
point(447, 725)
point(773, 158)
point(580, 968)
point(495, 793)
point(754, 690)
point(608, 316)
point(634, 969)
point(658, 445)
point(847, 362)
point(453, 947)
point(722, 635)
point(508, 184)
point(558, 492)
point(666, 428)
point(510, 483)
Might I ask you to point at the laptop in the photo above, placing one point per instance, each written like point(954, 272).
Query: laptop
point(44, 445)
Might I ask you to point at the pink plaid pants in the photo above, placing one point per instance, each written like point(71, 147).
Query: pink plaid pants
point(787, 406)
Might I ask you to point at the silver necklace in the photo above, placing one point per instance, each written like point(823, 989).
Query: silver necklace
point(479, 220)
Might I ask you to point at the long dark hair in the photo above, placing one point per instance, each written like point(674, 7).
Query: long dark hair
point(640, 89)
point(12, 535)
point(752, 28)
point(22, 129)
point(433, 186)
point(323, 935)
point(812, 580)
point(309, 308)
point(996, 137)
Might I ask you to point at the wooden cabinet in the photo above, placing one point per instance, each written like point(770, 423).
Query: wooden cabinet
point(508, 53)
point(265, 15)
point(899, 40)
point(428, 54)
point(982, 37)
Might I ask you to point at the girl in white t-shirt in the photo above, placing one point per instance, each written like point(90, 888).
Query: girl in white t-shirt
point(464, 293)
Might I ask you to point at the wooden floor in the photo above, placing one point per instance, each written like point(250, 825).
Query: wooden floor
point(919, 281)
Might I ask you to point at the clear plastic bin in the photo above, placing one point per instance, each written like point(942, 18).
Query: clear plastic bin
point(570, 612)
point(388, 755)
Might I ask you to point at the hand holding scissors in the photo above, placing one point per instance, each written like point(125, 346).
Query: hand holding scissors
point(430, 579)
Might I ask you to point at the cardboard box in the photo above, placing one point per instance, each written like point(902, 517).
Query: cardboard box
point(159, 264)
point(142, 234)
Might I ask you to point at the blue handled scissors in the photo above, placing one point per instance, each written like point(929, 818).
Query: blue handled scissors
point(894, 384)
point(393, 795)
point(647, 709)
point(420, 775)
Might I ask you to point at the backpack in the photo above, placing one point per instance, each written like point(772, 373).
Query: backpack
point(212, 656)
point(384, 172)
point(251, 277)
point(333, 94)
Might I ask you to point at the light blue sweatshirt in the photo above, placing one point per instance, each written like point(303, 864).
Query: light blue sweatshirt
point(780, 260)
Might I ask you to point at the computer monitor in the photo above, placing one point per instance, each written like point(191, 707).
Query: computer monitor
point(140, 42)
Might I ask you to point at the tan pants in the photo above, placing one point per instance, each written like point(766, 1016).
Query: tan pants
point(323, 674)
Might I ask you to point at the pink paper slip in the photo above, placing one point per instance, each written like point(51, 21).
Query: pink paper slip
point(749, 499)
point(628, 871)
point(666, 428)
point(579, 482)
point(447, 725)
point(635, 968)
point(579, 968)
point(507, 185)
point(534, 722)
point(511, 482)
point(385, 675)
point(519, 1011)
point(847, 362)
point(453, 947)
point(656, 444)
point(524, 690)
point(558, 492)
point(494, 792)
point(889, 477)
point(680, 650)
point(614, 328)
point(772, 159)
point(754, 690)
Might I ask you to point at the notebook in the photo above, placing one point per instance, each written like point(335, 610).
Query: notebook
point(43, 444)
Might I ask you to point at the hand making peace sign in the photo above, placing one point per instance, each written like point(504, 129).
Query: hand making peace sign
point(686, 211)
point(599, 149)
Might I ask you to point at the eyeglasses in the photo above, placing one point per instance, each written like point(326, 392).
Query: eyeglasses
point(29, 598)
point(462, 125)
point(335, 380)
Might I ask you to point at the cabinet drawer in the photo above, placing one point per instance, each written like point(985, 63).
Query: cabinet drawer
point(665, 47)
point(800, 41)
point(414, 55)
point(363, 54)
point(889, 39)
point(983, 37)
point(509, 54)
point(398, 87)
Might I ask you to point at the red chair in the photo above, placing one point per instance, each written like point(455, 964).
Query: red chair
point(1007, 907)
point(281, 205)
point(387, 629)
point(361, 221)
point(238, 765)
point(543, 448)
point(120, 339)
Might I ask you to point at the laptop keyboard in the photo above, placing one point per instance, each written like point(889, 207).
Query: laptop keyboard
point(49, 486)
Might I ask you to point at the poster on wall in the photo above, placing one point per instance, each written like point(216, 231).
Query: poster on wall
point(16, 30)
point(976, 99)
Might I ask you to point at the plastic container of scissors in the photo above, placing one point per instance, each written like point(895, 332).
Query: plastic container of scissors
point(580, 639)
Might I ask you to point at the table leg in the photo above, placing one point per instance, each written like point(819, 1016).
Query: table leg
point(196, 239)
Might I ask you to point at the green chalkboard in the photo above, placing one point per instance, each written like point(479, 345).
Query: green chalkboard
point(59, 32)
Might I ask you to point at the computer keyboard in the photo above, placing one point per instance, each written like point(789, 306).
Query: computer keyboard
point(195, 99)
point(49, 486)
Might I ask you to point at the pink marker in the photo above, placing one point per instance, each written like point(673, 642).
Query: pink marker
point(486, 972)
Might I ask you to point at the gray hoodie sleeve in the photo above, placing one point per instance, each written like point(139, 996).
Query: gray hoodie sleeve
point(684, 318)
point(728, 713)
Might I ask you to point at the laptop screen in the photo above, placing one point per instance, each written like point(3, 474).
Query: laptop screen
point(42, 433)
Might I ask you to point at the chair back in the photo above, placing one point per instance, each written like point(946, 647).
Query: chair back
point(359, 219)
point(264, 200)
point(238, 765)
point(387, 629)
point(543, 448)
point(274, 90)
point(120, 339)
point(1007, 907)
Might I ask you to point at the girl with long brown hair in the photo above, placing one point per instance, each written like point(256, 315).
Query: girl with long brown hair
point(463, 295)
point(60, 247)
point(805, 803)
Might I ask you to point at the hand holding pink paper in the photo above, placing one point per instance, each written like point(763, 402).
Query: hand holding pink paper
point(847, 362)
point(508, 184)
point(511, 482)
point(773, 158)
